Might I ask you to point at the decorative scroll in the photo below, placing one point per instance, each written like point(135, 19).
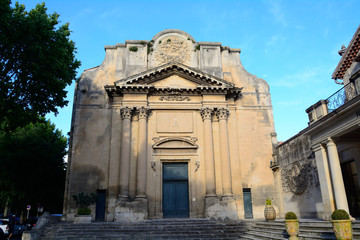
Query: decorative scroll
point(153, 166)
point(174, 96)
point(197, 164)
point(155, 139)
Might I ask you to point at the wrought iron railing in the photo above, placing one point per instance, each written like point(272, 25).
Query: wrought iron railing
point(342, 96)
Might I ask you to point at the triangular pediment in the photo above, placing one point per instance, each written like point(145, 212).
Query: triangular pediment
point(174, 75)
point(175, 81)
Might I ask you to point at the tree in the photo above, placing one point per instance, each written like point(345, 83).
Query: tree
point(37, 62)
point(32, 169)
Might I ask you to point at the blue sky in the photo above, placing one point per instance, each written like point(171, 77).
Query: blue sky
point(291, 44)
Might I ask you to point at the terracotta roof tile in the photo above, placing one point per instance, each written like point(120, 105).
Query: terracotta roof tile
point(348, 57)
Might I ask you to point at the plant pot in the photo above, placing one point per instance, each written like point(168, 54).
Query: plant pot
point(292, 228)
point(269, 212)
point(82, 219)
point(342, 229)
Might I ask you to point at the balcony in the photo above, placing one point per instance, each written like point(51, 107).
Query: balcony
point(339, 98)
point(343, 95)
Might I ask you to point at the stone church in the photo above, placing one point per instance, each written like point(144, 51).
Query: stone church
point(169, 128)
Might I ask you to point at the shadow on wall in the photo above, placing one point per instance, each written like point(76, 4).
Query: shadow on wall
point(299, 176)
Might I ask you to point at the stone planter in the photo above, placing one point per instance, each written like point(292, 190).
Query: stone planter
point(269, 212)
point(342, 229)
point(292, 228)
point(82, 219)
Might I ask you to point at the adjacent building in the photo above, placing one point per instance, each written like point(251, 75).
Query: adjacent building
point(320, 165)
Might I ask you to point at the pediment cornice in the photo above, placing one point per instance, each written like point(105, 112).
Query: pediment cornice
point(146, 81)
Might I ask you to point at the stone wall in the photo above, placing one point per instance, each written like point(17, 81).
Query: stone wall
point(299, 177)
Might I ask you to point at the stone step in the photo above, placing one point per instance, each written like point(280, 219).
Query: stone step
point(151, 229)
point(309, 229)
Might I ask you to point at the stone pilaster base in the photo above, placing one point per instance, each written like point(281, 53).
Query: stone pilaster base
point(221, 209)
point(135, 211)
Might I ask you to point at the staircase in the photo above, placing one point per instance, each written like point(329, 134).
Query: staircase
point(149, 230)
point(308, 230)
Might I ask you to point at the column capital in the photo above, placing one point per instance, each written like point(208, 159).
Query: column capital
point(206, 113)
point(330, 142)
point(317, 147)
point(126, 112)
point(143, 112)
point(222, 113)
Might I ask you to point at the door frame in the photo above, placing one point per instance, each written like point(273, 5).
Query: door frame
point(190, 186)
point(187, 182)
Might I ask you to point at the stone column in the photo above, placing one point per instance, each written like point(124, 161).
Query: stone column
point(336, 175)
point(142, 152)
point(126, 113)
point(223, 115)
point(325, 180)
point(206, 114)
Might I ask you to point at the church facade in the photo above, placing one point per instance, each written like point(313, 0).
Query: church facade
point(172, 127)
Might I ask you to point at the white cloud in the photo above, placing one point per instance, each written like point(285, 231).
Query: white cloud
point(301, 78)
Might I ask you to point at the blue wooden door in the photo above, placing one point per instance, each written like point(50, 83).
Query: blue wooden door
point(247, 203)
point(175, 190)
point(100, 205)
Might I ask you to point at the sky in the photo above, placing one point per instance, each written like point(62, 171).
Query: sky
point(293, 45)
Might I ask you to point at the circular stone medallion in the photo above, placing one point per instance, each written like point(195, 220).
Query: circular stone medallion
point(172, 49)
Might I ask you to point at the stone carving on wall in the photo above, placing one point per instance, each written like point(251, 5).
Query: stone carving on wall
point(197, 164)
point(153, 166)
point(299, 176)
point(174, 96)
point(172, 49)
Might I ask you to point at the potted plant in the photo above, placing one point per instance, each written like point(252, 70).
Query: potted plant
point(269, 211)
point(341, 222)
point(83, 201)
point(292, 225)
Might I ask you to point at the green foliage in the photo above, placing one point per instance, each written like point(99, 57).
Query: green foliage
point(142, 42)
point(133, 49)
point(83, 211)
point(159, 41)
point(149, 47)
point(169, 40)
point(32, 167)
point(340, 214)
point(37, 62)
point(84, 200)
point(268, 201)
point(290, 215)
point(197, 47)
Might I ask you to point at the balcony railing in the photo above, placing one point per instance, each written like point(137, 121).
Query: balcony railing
point(343, 95)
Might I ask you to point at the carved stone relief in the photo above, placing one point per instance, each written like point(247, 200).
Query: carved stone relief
point(299, 176)
point(172, 49)
point(174, 96)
